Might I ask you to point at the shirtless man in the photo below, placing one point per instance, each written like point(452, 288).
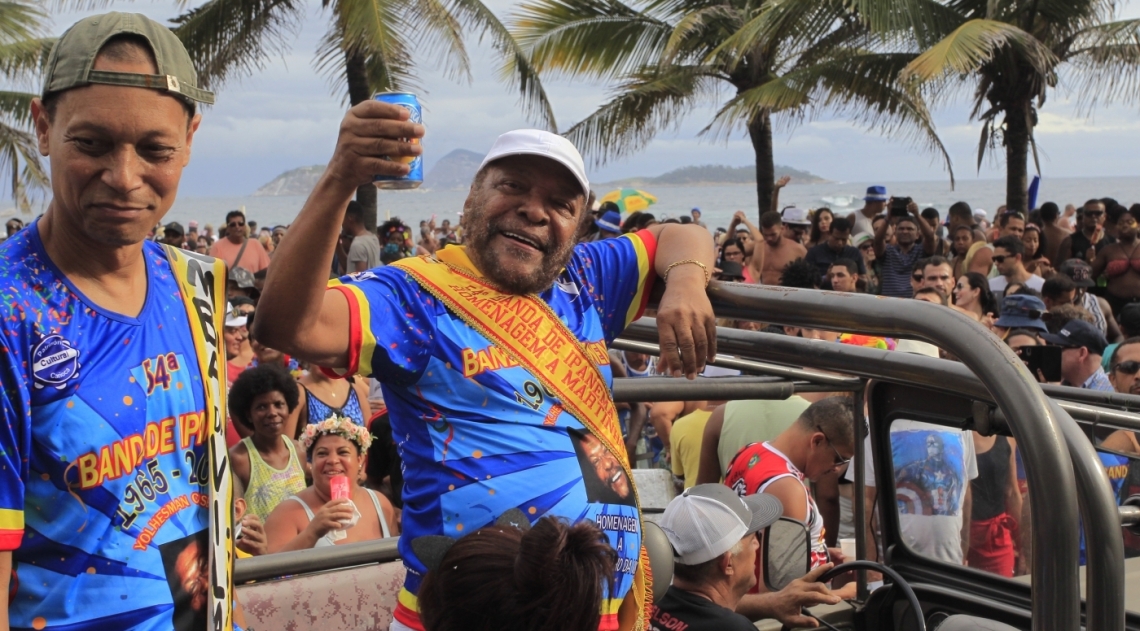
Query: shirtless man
point(778, 251)
point(1055, 233)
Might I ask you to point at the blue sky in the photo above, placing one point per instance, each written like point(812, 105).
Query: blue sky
point(286, 115)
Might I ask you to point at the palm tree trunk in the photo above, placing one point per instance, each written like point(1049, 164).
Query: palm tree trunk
point(760, 131)
point(358, 92)
point(1016, 138)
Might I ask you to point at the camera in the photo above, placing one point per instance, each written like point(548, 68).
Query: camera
point(898, 207)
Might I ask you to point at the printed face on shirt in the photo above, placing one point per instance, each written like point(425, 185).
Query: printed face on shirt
point(605, 479)
point(186, 563)
point(116, 155)
point(521, 219)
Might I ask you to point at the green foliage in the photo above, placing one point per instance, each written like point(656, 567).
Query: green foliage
point(788, 59)
point(22, 54)
point(232, 38)
point(1013, 54)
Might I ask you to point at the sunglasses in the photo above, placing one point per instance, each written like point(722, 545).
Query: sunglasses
point(236, 224)
point(1094, 213)
point(1128, 367)
point(866, 246)
point(999, 258)
point(839, 460)
point(917, 277)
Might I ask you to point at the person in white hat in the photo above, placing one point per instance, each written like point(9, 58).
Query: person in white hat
point(492, 355)
point(713, 532)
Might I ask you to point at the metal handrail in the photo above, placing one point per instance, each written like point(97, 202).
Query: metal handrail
point(1035, 426)
point(763, 368)
point(651, 389)
point(955, 378)
point(297, 562)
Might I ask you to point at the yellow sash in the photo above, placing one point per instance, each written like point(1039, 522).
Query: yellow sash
point(529, 332)
point(202, 285)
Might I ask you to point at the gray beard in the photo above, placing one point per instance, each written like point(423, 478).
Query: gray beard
point(479, 233)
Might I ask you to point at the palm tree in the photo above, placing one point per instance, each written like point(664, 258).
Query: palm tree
point(371, 46)
point(22, 55)
point(1014, 53)
point(788, 59)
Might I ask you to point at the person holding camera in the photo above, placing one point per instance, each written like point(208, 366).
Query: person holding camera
point(898, 260)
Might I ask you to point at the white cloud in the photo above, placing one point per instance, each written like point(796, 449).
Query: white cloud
point(287, 116)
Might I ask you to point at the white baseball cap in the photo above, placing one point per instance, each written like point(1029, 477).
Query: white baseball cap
point(796, 216)
point(234, 318)
point(707, 520)
point(535, 142)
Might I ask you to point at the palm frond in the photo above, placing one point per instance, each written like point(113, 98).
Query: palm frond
point(859, 86)
point(20, 161)
point(972, 45)
point(655, 99)
point(22, 61)
point(924, 22)
point(516, 70)
point(694, 25)
point(227, 39)
point(388, 69)
point(20, 21)
point(599, 38)
point(1105, 64)
point(789, 25)
point(16, 107)
point(441, 35)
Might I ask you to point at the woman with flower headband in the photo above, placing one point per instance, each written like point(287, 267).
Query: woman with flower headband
point(313, 518)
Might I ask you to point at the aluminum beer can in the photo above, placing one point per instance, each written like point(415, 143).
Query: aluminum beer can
point(415, 177)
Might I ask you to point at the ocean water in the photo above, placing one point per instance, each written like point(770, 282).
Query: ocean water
point(717, 203)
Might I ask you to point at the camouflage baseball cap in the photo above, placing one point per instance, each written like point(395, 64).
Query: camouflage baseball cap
point(72, 57)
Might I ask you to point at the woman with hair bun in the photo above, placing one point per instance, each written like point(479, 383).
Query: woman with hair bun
point(502, 578)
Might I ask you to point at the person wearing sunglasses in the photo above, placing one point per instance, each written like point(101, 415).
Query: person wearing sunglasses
point(1086, 242)
point(237, 249)
point(819, 443)
point(1125, 367)
point(1008, 254)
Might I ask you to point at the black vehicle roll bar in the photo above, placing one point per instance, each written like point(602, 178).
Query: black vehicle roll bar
point(1038, 426)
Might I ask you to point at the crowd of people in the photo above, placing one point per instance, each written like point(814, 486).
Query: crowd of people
point(368, 384)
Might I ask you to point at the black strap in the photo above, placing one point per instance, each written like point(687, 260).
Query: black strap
point(240, 252)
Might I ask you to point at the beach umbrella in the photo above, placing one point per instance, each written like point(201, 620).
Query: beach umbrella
point(629, 200)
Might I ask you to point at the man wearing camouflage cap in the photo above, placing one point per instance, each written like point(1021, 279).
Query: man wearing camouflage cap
point(113, 390)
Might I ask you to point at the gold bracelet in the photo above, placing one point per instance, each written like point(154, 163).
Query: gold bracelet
point(665, 276)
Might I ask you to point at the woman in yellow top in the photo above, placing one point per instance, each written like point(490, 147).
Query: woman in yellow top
point(266, 462)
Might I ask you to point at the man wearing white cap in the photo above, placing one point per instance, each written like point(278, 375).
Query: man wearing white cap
point(713, 534)
point(492, 356)
point(796, 223)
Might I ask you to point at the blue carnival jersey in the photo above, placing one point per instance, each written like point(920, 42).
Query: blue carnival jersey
point(477, 433)
point(103, 470)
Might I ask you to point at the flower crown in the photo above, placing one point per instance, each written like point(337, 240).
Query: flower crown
point(339, 425)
